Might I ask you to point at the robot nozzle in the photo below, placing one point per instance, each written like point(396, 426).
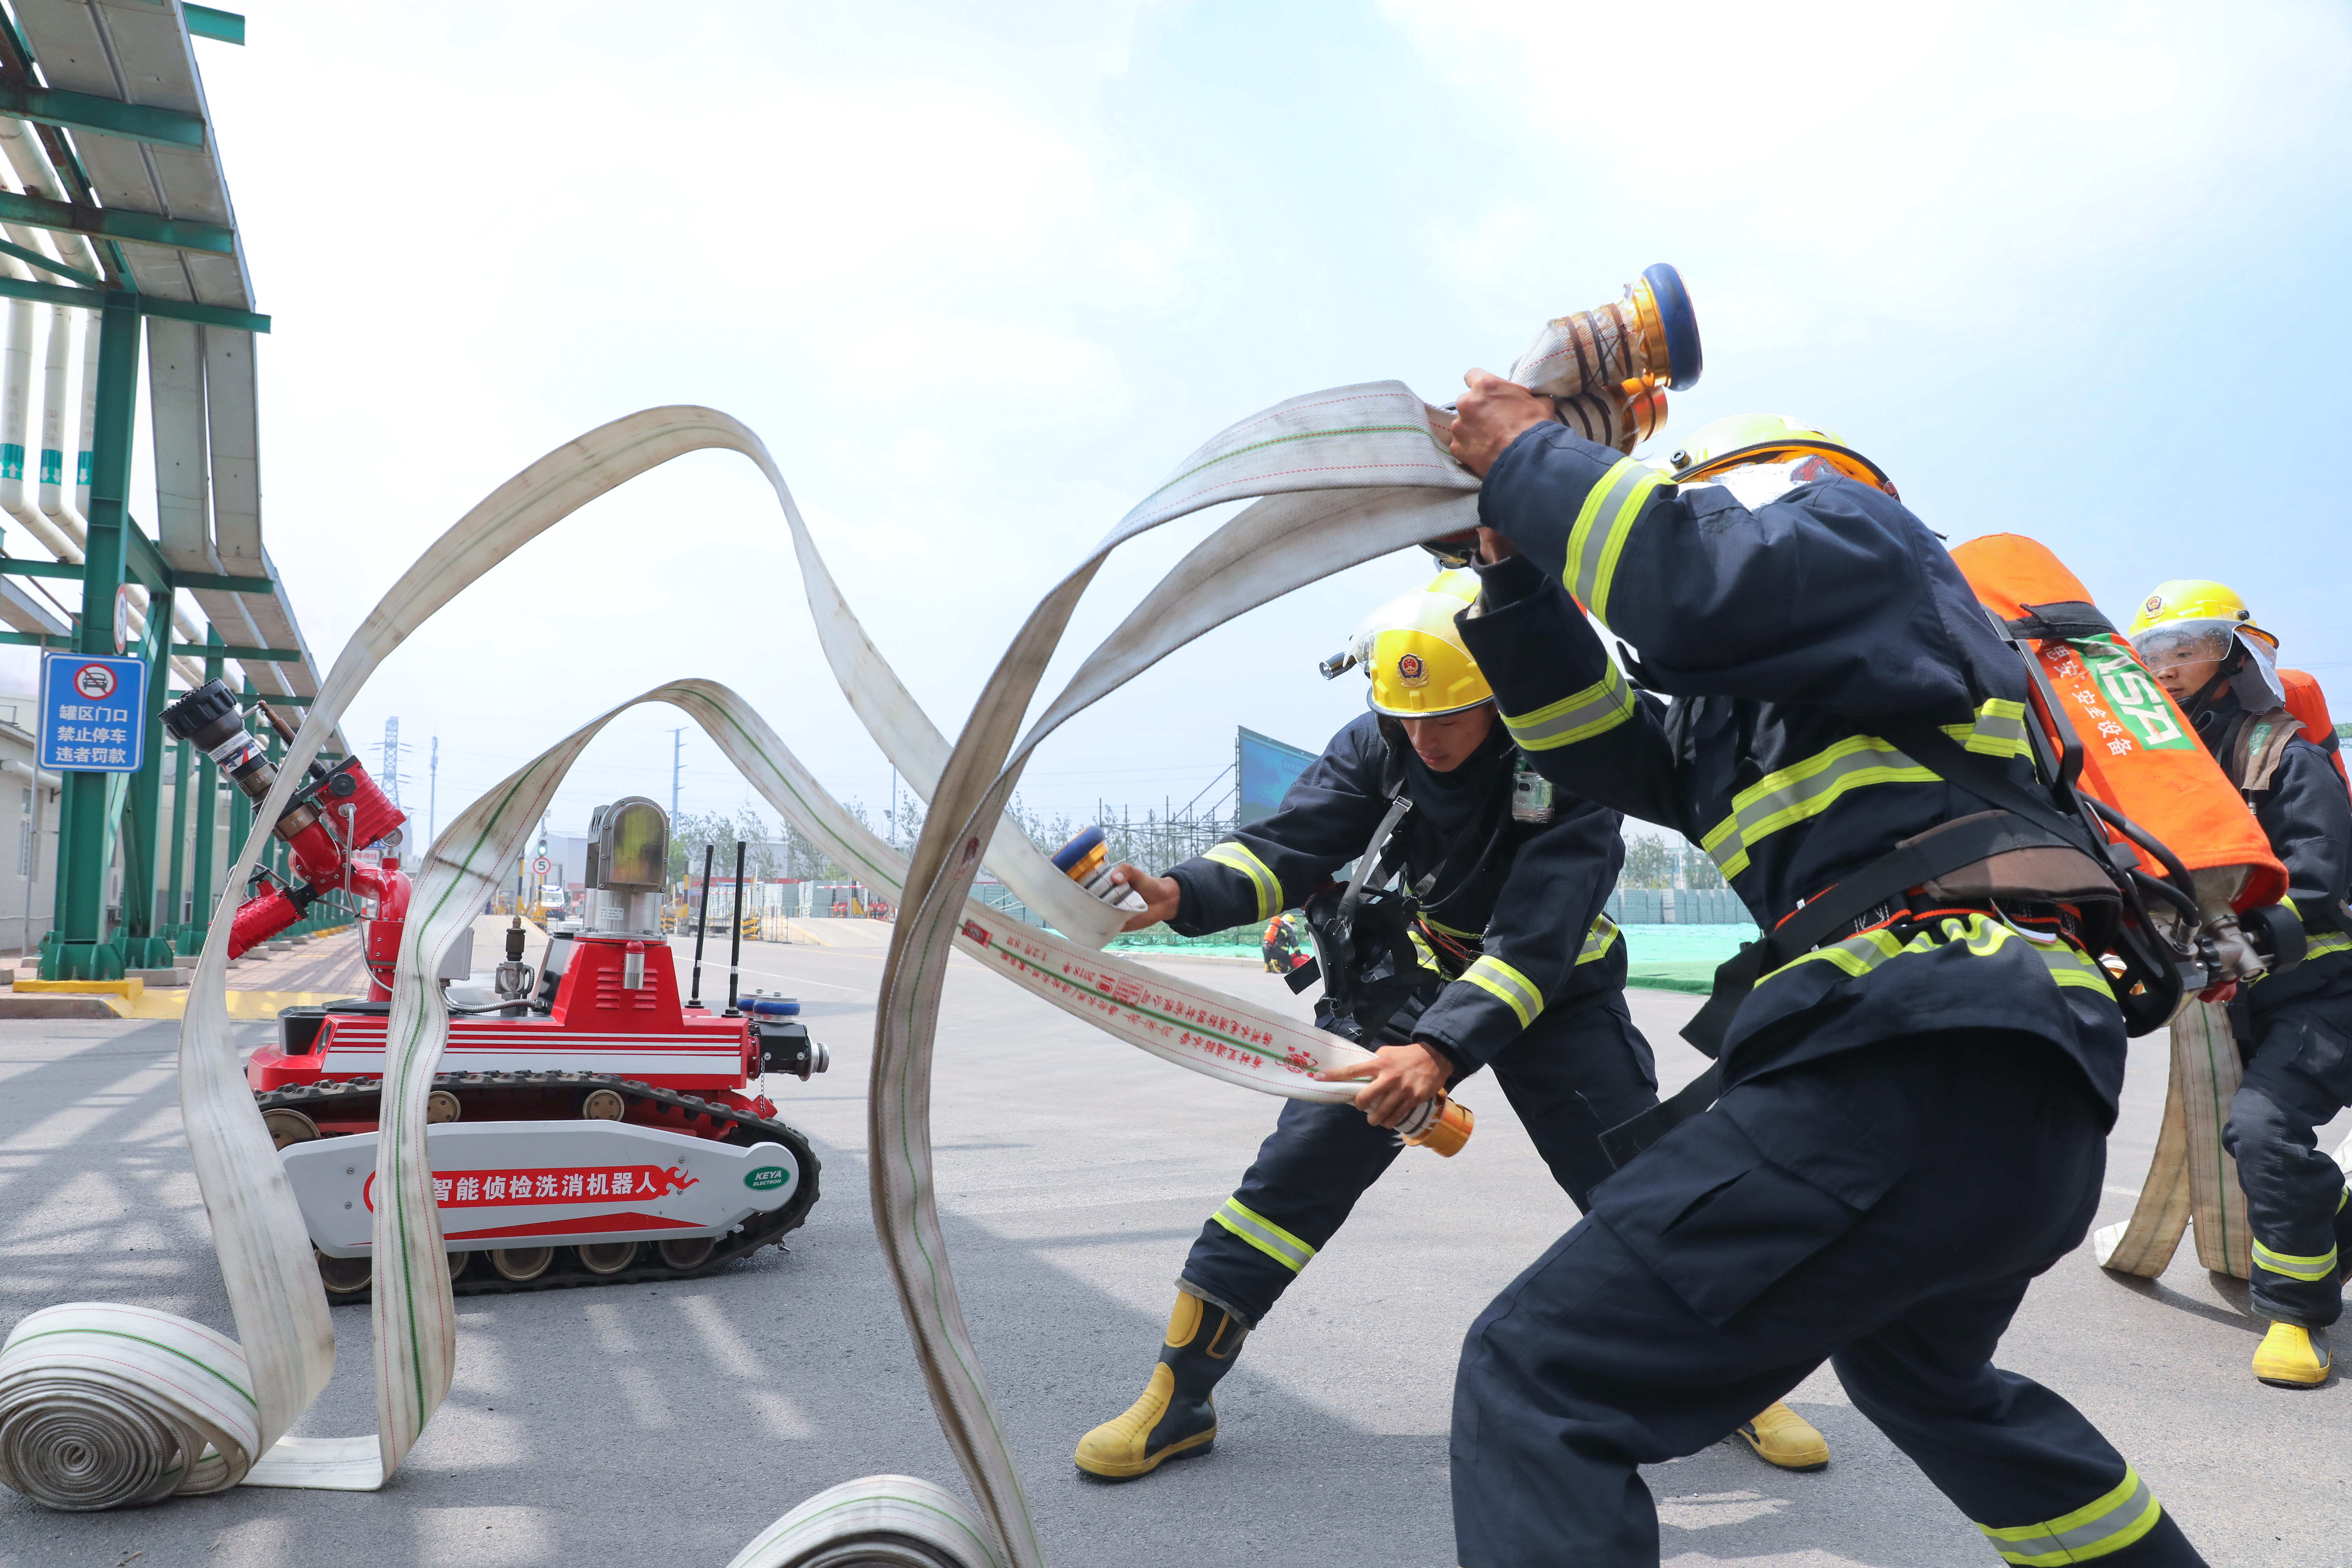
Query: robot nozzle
point(210, 720)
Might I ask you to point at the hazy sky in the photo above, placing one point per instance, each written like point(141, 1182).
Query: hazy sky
point(980, 276)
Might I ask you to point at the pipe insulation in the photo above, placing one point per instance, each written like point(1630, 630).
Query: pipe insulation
point(86, 432)
point(15, 421)
point(67, 518)
point(30, 162)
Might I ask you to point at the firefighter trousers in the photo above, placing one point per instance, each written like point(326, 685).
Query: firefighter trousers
point(2299, 1076)
point(1571, 1075)
point(1881, 1209)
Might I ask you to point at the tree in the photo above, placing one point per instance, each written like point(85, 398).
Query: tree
point(1656, 862)
point(1648, 863)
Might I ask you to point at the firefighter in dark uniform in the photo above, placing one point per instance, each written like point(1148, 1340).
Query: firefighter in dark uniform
point(1507, 960)
point(2295, 1029)
point(1913, 1104)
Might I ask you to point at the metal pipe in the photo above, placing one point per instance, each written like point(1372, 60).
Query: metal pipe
point(702, 925)
point(86, 435)
point(735, 949)
point(16, 417)
point(39, 178)
point(67, 520)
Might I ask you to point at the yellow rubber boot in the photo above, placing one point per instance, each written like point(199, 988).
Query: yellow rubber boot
point(2292, 1357)
point(1782, 1437)
point(1175, 1418)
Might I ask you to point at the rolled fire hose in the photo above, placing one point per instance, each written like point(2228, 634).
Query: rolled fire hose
point(103, 1406)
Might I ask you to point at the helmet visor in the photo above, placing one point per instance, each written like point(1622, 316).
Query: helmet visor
point(2184, 646)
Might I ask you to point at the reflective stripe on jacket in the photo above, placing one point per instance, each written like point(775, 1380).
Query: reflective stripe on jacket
point(1531, 913)
point(1787, 635)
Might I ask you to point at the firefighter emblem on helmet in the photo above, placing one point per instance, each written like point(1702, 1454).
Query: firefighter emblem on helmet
point(1411, 670)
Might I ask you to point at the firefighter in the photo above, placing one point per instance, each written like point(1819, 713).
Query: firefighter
point(1509, 960)
point(2204, 646)
point(1917, 1067)
point(1278, 944)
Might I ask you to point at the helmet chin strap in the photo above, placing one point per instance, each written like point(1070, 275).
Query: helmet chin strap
point(2200, 704)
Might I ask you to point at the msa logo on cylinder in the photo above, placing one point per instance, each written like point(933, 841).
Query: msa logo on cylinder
point(767, 1178)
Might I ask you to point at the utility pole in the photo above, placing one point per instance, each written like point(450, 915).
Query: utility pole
point(432, 789)
point(676, 755)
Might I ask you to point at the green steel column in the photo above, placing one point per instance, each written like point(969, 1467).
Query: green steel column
point(84, 950)
point(240, 810)
point(207, 815)
point(176, 887)
point(144, 946)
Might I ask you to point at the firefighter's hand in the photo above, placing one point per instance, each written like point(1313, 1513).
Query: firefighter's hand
point(1490, 416)
point(1161, 895)
point(1401, 1078)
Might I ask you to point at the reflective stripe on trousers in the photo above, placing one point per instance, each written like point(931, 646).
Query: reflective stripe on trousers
point(1865, 950)
point(1804, 790)
point(2317, 1267)
point(1580, 716)
point(2090, 1532)
point(1264, 1234)
point(1234, 857)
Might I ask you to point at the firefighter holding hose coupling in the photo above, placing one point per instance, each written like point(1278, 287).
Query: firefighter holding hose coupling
point(1918, 1061)
point(1493, 949)
point(2295, 1028)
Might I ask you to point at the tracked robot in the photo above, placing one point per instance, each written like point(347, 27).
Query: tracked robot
point(590, 1127)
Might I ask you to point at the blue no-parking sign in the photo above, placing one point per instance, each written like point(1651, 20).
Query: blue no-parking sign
point(93, 713)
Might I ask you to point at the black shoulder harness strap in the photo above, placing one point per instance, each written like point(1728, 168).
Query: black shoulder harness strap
point(2023, 821)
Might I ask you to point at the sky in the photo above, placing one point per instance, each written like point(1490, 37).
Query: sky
point(979, 276)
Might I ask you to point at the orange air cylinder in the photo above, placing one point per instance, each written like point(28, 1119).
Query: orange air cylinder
point(2309, 706)
point(2139, 754)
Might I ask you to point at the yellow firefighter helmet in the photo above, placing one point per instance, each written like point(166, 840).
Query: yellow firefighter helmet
point(2196, 621)
point(1742, 440)
point(2189, 599)
point(1409, 646)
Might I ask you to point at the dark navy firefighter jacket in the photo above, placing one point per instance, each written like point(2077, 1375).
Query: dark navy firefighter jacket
point(2307, 818)
point(1530, 908)
point(1782, 633)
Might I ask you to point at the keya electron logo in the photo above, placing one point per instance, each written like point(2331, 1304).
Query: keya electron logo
point(767, 1178)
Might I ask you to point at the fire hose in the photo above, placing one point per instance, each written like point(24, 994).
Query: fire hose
point(103, 1406)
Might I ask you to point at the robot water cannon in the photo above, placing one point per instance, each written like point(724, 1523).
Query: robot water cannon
point(1606, 371)
point(338, 812)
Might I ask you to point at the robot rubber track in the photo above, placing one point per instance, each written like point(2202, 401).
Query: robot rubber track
point(485, 1093)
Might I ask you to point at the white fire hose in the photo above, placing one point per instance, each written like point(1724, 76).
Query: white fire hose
point(105, 1406)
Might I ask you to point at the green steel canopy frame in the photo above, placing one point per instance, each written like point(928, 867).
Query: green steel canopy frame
point(166, 244)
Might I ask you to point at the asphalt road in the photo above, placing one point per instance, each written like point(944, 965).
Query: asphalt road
point(667, 1424)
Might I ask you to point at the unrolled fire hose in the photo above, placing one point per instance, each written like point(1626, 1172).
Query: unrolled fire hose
point(103, 1406)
